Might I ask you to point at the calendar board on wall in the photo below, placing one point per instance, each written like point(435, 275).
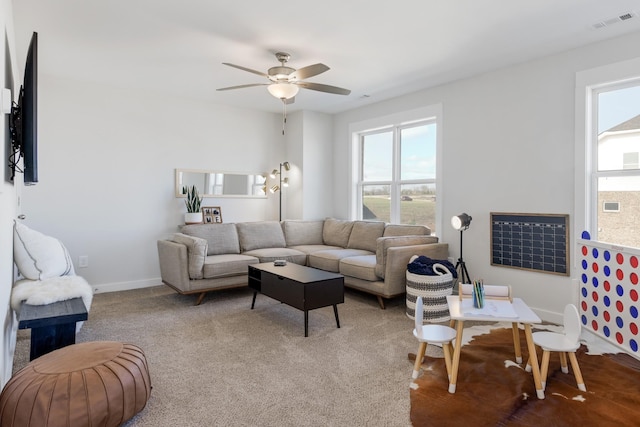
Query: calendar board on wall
point(529, 241)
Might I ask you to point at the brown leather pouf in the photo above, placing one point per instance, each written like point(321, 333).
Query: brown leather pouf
point(101, 383)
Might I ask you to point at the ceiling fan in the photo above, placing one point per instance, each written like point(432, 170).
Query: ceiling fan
point(284, 82)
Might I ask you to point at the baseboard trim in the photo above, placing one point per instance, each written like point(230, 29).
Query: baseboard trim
point(126, 286)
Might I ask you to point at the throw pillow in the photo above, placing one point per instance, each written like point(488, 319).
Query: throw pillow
point(38, 256)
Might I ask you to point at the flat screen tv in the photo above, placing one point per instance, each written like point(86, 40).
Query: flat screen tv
point(24, 119)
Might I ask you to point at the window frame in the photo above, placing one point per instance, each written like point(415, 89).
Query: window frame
point(424, 115)
point(586, 83)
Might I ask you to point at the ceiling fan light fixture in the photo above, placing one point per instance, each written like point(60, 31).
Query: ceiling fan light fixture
point(283, 90)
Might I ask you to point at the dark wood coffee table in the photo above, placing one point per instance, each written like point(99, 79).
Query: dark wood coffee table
point(301, 287)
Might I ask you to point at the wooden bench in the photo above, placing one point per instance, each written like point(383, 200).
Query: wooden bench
point(53, 326)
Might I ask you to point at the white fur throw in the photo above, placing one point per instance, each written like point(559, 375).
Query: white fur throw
point(47, 291)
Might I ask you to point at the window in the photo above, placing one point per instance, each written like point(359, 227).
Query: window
point(397, 174)
point(630, 160)
point(611, 207)
point(615, 171)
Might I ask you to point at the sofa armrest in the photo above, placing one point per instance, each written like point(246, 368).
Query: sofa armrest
point(196, 253)
point(384, 243)
point(398, 257)
point(174, 269)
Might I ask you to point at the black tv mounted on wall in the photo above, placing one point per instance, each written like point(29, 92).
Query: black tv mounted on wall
point(24, 120)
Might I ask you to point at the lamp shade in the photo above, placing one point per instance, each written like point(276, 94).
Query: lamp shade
point(461, 222)
point(274, 188)
point(274, 173)
point(283, 90)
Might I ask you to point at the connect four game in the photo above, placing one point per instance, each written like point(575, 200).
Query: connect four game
point(609, 292)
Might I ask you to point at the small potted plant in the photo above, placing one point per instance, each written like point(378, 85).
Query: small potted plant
point(193, 202)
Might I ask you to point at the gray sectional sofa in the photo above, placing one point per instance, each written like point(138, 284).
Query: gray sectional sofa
point(372, 256)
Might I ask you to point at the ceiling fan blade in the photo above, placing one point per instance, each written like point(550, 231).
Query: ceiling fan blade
point(309, 71)
point(260, 73)
point(243, 86)
point(324, 88)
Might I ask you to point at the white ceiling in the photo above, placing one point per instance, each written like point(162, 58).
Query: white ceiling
point(378, 49)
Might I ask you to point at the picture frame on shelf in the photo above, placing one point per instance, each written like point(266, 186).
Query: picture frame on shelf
point(212, 215)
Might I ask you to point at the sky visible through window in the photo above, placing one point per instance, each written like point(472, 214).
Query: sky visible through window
point(418, 154)
point(617, 106)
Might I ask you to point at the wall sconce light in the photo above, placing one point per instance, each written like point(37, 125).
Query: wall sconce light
point(284, 182)
point(461, 222)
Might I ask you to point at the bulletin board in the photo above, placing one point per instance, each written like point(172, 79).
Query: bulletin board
point(609, 292)
point(530, 241)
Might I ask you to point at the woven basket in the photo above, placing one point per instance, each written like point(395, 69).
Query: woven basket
point(433, 290)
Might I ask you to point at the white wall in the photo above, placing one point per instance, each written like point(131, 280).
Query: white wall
point(318, 166)
point(508, 147)
point(106, 167)
point(9, 77)
point(309, 149)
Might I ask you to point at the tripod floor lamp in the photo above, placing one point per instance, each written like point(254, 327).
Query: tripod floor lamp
point(284, 182)
point(461, 222)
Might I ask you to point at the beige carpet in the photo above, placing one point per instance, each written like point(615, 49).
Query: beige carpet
point(222, 364)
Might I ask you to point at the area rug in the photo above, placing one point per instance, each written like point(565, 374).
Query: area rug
point(492, 390)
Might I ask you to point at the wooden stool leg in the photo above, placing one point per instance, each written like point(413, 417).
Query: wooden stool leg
point(446, 348)
point(576, 372)
point(563, 362)
point(455, 363)
point(419, 356)
point(545, 368)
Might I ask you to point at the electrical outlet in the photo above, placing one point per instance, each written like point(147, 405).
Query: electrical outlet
point(83, 261)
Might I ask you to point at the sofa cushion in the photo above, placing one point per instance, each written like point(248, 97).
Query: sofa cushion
point(361, 267)
point(260, 234)
point(336, 232)
point(309, 249)
point(227, 265)
point(196, 253)
point(222, 238)
point(303, 232)
point(406, 230)
point(272, 254)
point(39, 256)
point(329, 260)
point(364, 235)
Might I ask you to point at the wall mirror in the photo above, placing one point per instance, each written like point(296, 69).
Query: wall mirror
point(221, 184)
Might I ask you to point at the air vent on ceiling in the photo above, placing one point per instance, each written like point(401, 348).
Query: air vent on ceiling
point(622, 17)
